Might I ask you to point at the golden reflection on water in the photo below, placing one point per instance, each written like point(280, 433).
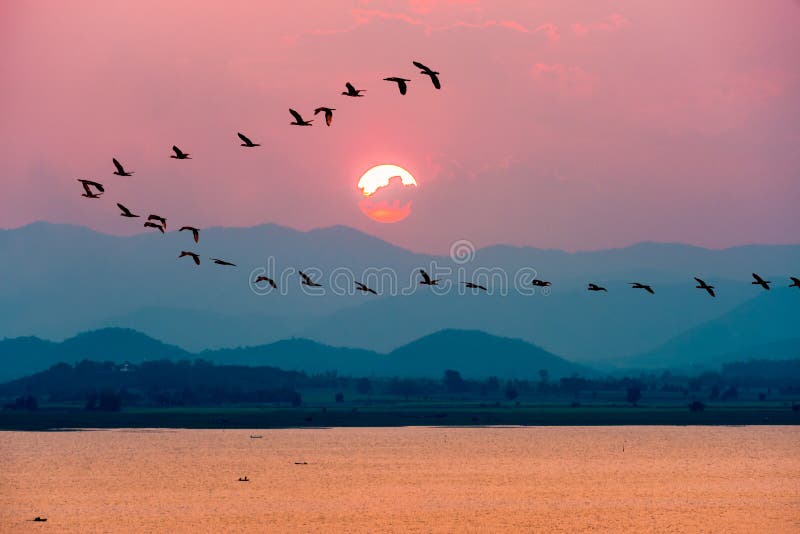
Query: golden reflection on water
point(711, 479)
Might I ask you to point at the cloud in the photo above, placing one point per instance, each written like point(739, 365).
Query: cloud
point(550, 30)
point(610, 23)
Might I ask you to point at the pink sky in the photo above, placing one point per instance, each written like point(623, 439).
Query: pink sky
point(564, 123)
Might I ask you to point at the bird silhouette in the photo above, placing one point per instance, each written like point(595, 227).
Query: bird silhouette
point(159, 219)
point(195, 232)
point(352, 91)
point(246, 141)
point(758, 281)
point(595, 287)
point(540, 283)
point(795, 282)
point(703, 285)
point(179, 154)
point(472, 285)
point(328, 114)
point(428, 72)
point(637, 285)
point(266, 279)
point(426, 279)
point(307, 281)
point(298, 119)
point(157, 226)
point(126, 212)
point(401, 83)
point(192, 255)
point(87, 188)
point(364, 289)
point(120, 170)
point(223, 262)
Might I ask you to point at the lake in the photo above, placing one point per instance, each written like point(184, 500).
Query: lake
point(553, 479)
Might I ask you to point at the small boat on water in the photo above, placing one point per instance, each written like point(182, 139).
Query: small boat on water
point(244, 479)
point(256, 436)
point(301, 463)
point(39, 519)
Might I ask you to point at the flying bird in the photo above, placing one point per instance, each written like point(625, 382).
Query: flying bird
point(158, 218)
point(540, 283)
point(426, 279)
point(195, 232)
point(126, 212)
point(266, 279)
point(595, 287)
point(157, 226)
point(758, 281)
point(298, 119)
point(223, 262)
point(192, 255)
point(364, 289)
point(703, 285)
point(795, 281)
point(307, 281)
point(246, 141)
point(401, 83)
point(637, 285)
point(179, 154)
point(428, 72)
point(328, 114)
point(474, 286)
point(87, 188)
point(120, 170)
point(352, 91)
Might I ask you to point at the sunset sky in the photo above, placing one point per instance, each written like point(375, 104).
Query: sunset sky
point(565, 124)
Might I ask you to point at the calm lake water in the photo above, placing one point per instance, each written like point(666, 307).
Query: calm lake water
point(667, 479)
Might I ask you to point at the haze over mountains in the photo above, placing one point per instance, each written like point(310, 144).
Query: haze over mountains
point(58, 280)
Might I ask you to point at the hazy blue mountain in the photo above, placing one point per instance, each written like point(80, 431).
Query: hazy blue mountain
point(23, 356)
point(476, 354)
point(785, 349)
point(573, 322)
point(767, 321)
point(57, 280)
point(302, 355)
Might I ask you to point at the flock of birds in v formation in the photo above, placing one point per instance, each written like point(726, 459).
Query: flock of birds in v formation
point(94, 190)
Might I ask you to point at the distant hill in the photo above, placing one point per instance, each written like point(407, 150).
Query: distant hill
point(765, 326)
point(475, 354)
point(23, 356)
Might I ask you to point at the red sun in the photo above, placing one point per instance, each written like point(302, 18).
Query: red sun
point(386, 193)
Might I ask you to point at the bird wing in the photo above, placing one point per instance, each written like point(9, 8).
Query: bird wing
point(350, 88)
point(272, 283)
point(435, 80)
point(296, 115)
point(328, 117)
point(711, 291)
point(425, 276)
point(86, 188)
point(118, 166)
point(305, 277)
point(244, 138)
point(420, 66)
point(758, 278)
point(699, 281)
point(795, 279)
point(177, 150)
point(125, 210)
point(361, 286)
point(320, 110)
point(649, 290)
point(403, 87)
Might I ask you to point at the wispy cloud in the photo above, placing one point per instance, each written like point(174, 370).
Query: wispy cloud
point(610, 23)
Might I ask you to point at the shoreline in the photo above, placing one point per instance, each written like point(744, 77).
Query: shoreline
point(53, 419)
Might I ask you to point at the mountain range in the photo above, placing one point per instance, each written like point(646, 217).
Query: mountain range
point(58, 280)
point(474, 354)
